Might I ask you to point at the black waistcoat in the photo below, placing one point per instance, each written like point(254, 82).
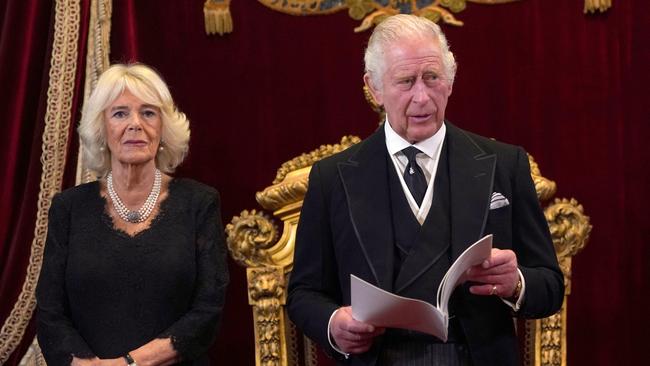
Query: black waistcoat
point(408, 231)
point(435, 231)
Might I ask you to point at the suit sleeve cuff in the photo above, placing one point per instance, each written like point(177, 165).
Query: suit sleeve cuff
point(516, 305)
point(329, 337)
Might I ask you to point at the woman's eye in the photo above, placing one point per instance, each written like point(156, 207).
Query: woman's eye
point(149, 113)
point(120, 114)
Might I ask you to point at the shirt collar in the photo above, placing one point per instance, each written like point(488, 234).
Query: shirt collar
point(395, 143)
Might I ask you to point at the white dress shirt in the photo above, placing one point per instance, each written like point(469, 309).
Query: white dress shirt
point(428, 162)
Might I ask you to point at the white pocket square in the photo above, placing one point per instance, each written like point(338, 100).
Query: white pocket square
point(498, 201)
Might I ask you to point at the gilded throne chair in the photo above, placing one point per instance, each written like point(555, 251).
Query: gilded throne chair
point(255, 242)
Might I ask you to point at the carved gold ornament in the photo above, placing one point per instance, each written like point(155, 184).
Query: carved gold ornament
point(591, 6)
point(217, 17)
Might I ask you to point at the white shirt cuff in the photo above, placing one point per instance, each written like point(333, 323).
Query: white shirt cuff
point(517, 305)
point(329, 336)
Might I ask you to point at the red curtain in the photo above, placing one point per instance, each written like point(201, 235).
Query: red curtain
point(569, 87)
point(26, 31)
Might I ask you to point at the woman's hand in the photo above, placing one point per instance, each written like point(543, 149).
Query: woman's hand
point(98, 362)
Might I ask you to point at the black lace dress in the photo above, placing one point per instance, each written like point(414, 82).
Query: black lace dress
point(104, 293)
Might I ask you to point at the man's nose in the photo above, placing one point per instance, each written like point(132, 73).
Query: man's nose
point(420, 94)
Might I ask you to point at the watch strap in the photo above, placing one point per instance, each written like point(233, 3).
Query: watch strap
point(129, 360)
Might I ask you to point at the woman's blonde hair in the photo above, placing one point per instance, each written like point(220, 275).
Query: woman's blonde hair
point(145, 83)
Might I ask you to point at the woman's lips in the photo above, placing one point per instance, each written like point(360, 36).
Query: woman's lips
point(135, 143)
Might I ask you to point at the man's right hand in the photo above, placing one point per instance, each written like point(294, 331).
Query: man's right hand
point(350, 335)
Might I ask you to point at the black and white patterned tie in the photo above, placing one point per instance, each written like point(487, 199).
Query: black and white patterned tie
point(413, 175)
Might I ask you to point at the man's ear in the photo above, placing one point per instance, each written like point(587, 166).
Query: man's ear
point(372, 88)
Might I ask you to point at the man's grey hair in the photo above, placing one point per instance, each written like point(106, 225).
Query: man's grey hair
point(398, 27)
point(146, 84)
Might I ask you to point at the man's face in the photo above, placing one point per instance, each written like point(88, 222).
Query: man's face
point(415, 88)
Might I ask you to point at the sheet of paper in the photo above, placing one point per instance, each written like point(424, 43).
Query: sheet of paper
point(378, 307)
point(473, 255)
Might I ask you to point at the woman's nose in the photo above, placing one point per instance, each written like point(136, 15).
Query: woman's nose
point(135, 123)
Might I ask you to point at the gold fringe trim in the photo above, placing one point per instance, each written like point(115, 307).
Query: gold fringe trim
point(591, 6)
point(33, 356)
point(55, 140)
point(99, 35)
point(217, 17)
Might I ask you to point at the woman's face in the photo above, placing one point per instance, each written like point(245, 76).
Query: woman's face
point(133, 130)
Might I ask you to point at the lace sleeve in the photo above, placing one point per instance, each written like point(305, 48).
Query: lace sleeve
point(195, 331)
point(57, 336)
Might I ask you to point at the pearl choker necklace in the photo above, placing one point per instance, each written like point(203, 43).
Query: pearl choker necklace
point(140, 215)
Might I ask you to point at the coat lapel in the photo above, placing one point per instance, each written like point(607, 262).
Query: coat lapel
point(471, 176)
point(364, 178)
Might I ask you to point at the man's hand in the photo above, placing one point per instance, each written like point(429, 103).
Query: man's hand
point(498, 274)
point(350, 335)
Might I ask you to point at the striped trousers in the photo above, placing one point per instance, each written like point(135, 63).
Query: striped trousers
point(421, 353)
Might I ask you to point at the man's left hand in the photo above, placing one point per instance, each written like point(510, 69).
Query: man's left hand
point(497, 275)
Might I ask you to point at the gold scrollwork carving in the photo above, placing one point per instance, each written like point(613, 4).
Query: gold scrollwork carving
point(591, 6)
point(266, 291)
point(544, 187)
point(551, 340)
point(569, 226)
point(570, 230)
point(308, 159)
point(249, 236)
point(285, 193)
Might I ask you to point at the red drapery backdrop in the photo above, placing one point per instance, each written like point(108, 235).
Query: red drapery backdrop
point(26, 35)
point(569, 87)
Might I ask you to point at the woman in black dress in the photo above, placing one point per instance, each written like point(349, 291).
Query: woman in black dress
point(134, 271)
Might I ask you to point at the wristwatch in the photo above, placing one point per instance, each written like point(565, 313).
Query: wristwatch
point(516, 292)
point(129, 360)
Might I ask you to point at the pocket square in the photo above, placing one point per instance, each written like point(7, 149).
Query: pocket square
point(498, 201)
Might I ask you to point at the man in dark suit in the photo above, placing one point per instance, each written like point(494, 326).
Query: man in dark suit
point(398, 208)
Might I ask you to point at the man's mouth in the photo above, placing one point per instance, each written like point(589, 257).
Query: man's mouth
point(419, 118)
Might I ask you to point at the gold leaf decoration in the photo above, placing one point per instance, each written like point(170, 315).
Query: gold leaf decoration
point(217, 17)
point(306, 160)
point(249, 236)
point(591, 6)
point(373, 12)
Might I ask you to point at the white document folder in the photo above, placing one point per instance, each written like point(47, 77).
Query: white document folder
point(378, 307)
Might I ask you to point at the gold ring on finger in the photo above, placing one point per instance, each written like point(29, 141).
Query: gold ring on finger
point(494, 290)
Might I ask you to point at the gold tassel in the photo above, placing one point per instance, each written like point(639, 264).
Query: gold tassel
point(591, 6)
point(217, 17)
